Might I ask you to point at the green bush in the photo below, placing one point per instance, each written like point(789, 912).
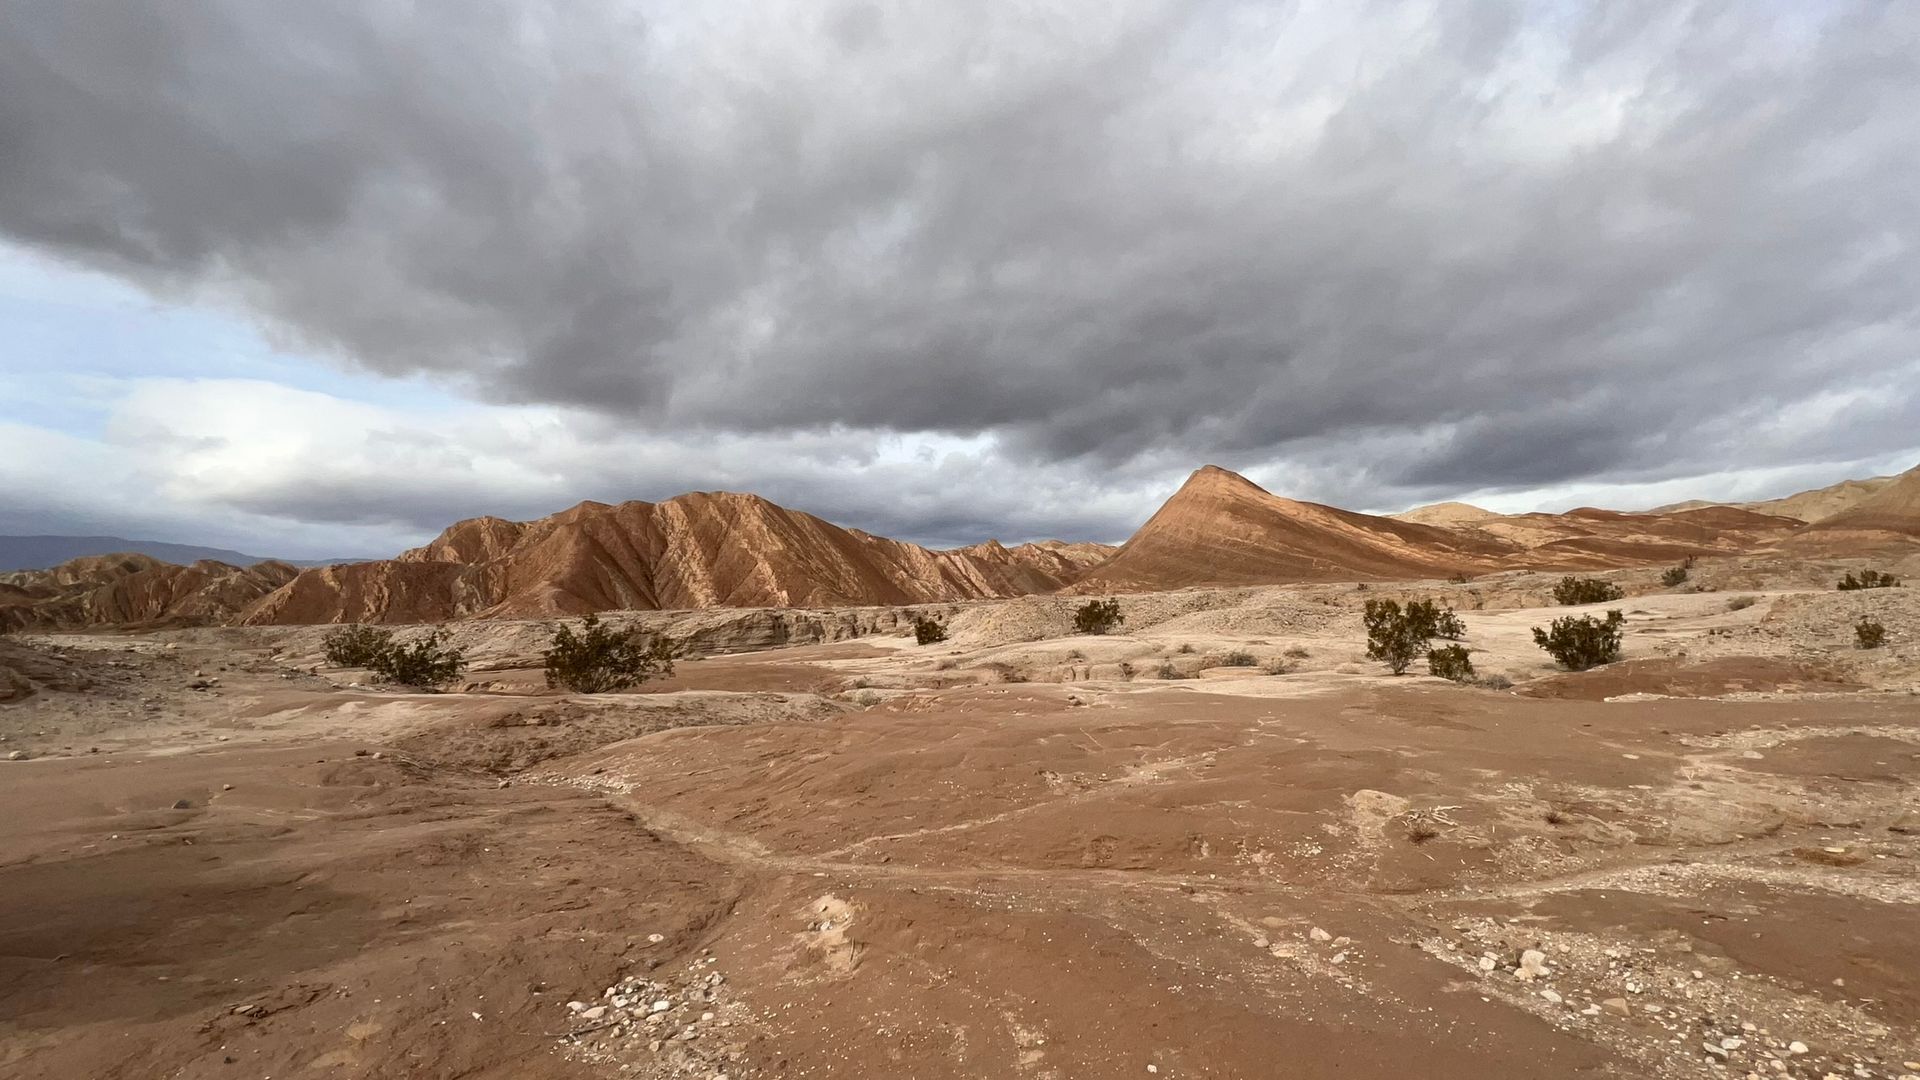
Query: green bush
point(1868, 633)
point(1098, 617)
point(927, 630)
point(424, 661)
point(1868, 579)
point(1432, 620)
point(601, 660)
point(1573, 591)
point(356, 646)
point(1582, 642)
point(1394, 636)
point(1451, 663)
point(1238, 658)
point(1675, 575)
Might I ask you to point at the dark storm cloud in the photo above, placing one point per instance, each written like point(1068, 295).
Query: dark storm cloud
point(1563, 242)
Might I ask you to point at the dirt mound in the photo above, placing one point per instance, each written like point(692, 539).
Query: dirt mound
point(701, 550)
point(509, 741)
point(1679, 678)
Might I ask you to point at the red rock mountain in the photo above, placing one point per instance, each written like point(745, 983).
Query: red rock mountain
point(705, 549)
point(717, 549)
point(135, 591)
point(1222, 529)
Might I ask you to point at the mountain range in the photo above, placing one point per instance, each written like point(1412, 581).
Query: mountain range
point(42, 552)
point(728, 549)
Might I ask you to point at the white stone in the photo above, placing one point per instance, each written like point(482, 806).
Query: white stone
point(1318, 934)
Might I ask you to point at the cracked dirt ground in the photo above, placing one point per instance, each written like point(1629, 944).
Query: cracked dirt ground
point(1326, 873)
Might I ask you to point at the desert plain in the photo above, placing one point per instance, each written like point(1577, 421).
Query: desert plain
point(1217, 842)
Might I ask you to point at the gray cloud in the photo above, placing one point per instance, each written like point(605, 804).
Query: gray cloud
point(1560, 243)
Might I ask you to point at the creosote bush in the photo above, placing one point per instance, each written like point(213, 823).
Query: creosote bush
point(356, 645)
point(424, 662)
point(1573, 591)
point(1394, 635)
point(927, 630)
point(1868, 633)
point(1168, 671)
point(1742, 603)
point(1450, 662)
point(1581, 642)
point(601, 660)
point(1676, 575)
point(1098, 617)
point(1238, 658)
point(1868, 579)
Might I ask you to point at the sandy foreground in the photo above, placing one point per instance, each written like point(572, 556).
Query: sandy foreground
point(1018, 853)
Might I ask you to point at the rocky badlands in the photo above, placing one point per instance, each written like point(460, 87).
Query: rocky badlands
point(1216, 842)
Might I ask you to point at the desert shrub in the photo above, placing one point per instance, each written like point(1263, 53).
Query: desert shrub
point(1275, 666)
point(1461, 578)
point(1298, 652)
point(356, 646)
point(1168, 671)
point(1868, 633)
point(1126, 670)
point(1394, 637)
point(1573, 591)
point(927, 630)
point(1451, 663)
point(1742, 603)
point(1098, 617)
point(1581, 642)
point(1868, 579)
point(600, 659)
point(1185, 649)
point(425, 661)
point(1432, 620)
point(1493, 682)
point(1675, 576)
point(1238, 658)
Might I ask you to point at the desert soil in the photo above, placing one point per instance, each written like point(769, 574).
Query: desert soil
point(1018, 853)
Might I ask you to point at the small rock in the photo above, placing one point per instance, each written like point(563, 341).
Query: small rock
point(1617, 1006)
point(594, 1013)
point(1488, 963)
point(661, 1006)
point(577, 1006)
point(16, 755)
point(1732, 1042)
point(1796, 1047)
point(1318, 934)
point(1533, 964)
point(655, 939)
point(182, 804)
point(1714, 1049)
point(1261, 943)
point(1339, 958)
point(1550, 996)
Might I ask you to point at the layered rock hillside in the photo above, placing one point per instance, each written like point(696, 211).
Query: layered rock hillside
point(1222, 529)
point(134, 591)
point(705, 549)
point(1889, 515)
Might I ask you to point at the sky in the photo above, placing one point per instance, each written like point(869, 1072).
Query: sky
point(317, 280)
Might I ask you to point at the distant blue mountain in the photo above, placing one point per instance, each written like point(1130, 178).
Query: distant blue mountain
point(40, 552)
